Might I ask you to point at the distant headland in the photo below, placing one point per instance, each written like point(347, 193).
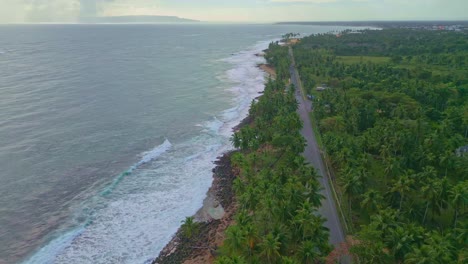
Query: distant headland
point(417, 24)
point(136, 19)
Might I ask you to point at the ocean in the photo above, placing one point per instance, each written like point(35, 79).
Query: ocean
point(108, 133)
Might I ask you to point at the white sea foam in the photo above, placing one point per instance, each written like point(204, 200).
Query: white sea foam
point(247, 82)
point(46, 255)
point(139, 214)
point(155, 153)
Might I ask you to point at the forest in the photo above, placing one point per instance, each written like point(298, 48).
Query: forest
point(393, 121)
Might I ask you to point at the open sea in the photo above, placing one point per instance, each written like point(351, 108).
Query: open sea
point(108, 133)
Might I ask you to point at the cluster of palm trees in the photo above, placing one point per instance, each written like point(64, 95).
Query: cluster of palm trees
point(277, 193)
point(391, 134)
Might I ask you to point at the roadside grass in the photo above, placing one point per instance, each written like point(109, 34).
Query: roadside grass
point(315, 128)
point(337, 194)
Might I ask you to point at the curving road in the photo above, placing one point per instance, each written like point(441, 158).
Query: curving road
point(312, 155)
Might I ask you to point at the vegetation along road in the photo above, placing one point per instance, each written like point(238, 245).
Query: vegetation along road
point(312, 155)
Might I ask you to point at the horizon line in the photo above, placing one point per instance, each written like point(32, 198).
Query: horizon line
point(237, 22)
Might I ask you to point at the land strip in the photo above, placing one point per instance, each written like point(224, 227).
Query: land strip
point(313, 156)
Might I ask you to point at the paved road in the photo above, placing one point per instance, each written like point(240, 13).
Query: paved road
point(312, 155)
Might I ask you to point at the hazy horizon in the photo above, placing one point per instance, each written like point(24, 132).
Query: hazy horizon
point(257, 11)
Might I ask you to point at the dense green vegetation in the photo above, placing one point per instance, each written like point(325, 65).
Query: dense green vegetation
point(277, 193)
point(392, 120)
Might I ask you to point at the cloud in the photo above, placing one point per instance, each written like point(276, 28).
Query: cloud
point(52, 10)
point(11, 11)
point(18, 11)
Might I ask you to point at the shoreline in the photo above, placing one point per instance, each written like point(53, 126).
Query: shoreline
point(216, 213)
point(213, 218)
point(267, 68)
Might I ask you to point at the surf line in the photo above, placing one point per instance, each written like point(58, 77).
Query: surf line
point(147, 157)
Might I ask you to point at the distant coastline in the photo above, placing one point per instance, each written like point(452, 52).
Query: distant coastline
point(381, 23)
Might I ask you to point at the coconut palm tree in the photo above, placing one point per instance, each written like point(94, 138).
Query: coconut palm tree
point(269, 248)
point(353, 185)
point(458, 199)
point(231, 260)
point(403, 239)
point(402, 186)
point(371, 200)
point(251, 236)
point(189, 227)
point(422, 255)
point(235, 240)
point(308, 252)
point(288, 260)
point(437, 249)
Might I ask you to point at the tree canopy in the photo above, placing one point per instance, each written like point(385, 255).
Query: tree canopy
point(394, 114)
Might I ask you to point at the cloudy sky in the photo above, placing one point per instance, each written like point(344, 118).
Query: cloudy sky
point(19, 11)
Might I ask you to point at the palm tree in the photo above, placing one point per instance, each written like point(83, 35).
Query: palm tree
point(235, 240)
point(422, 255)
point(223, 260)
point(402, 239)
point(446, 161)
point(318, 230)
point(288, 260)
point(251, 236)
point(385, 219)
point(352, 185)
point(437, 249)
point(230, 260)
point(236, 140)
point(243, 218)
point(312, 189)
point(300, 221)
point(431, 192)
point(249, 199)
point(189, 227)
point(402, 186)
point(460, 233)
point(392, 167)
point(308, 252)
point(269, 248)
point(458, 199)
point(371, 200)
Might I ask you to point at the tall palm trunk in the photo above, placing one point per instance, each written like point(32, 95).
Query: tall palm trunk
point(401, 202)
point(455, 218)
point(425, 213)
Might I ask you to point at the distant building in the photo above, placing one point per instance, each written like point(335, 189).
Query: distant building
point(462, 151)
point(320, 88)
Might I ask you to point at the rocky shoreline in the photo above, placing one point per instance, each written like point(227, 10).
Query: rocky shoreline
point(213, 218)
point(269, 69)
